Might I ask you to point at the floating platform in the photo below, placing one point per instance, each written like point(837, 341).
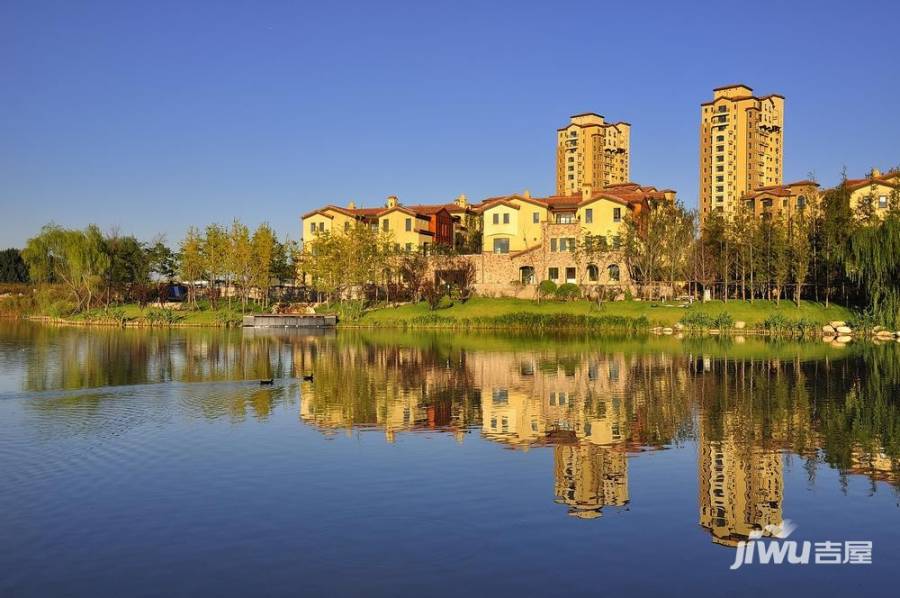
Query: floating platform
point(290, 321)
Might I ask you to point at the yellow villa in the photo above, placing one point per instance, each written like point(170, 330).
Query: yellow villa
point(878, 189)
point(413, 228)
point(783, 200)
point(563, 238)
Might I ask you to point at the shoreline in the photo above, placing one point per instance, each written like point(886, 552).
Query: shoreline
point(634, 329)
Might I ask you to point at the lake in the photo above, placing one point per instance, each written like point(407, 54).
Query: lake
point(149, 463)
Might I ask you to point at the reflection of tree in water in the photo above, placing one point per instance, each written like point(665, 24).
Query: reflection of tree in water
point(747, 405)
point(357, 384)
point(74, 357)
point(757, 412)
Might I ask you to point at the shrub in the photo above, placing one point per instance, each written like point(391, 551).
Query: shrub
point(568, 291)
point(348, 311)
point(162, 317)
point(432, 294)
point(228, 318)
point(863, 321)
point(723, 321)
point(444, 302)
point(547, 288)
point(698, 320)
point(777, 323)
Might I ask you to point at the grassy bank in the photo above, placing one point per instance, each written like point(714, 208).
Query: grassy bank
point(512, 313)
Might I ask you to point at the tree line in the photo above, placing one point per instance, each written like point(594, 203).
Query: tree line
point(825, 252)
point(99, 270)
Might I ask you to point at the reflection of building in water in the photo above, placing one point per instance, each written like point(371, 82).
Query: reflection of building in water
point(741, 486)
point(589, 477)
point(529, 399)
point(576, 405)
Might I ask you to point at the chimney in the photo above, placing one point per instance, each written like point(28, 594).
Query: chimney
point(526, 193)
point(462, 201)
point(586, 192)
point(392, 202)
point(876, 173)
point(351, 205)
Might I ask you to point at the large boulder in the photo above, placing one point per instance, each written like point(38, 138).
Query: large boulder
point(740, 325)
point(843, 330)
point(843, 339)
point(837, 323)
point(828, 329)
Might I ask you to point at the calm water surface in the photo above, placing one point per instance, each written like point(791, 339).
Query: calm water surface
point(153, 463)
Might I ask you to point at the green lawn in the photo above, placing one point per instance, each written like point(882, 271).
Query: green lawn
point(656, 313)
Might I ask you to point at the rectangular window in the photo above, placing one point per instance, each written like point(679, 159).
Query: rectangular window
point(385, 224)
point(409, 224)
point(589, 215)
point(346, 227)
point(496, 218)
point(536, 217)
point(553, 273)
point(565, 218)
point(408, 247)
point(321, 227)
point(617, 214)
point(570, 274)
point(506, 218)
point(553, 244)
point(501, 245)
point(882, 201)
point(312, 227)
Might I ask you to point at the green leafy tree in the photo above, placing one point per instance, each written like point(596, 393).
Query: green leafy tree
point(192, 262)
point(74, 258)
point(12, 266)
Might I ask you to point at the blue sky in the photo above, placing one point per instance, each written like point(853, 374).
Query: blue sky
point(152, 116)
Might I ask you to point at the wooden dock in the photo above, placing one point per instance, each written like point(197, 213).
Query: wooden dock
point(290, 321)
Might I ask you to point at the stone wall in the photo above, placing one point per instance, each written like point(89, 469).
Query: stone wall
point(500, 274)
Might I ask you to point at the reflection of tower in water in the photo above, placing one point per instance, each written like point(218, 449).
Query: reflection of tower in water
point(741, 489)
point(589, 477)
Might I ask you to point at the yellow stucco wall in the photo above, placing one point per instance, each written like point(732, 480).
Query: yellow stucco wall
point(396, 220)
point(876, 192)
point(521, 230)
point(603, 221)
point(325, 221)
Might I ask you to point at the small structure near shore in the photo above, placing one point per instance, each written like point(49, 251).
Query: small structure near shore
point(289, 321)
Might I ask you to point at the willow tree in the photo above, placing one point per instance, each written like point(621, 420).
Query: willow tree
point(873, 262)
point(74, 258)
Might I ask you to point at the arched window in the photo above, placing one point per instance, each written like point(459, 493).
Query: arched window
point(613, 271)
point(593, 273)
point(526, 274)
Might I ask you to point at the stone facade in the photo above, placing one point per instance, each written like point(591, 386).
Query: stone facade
point(517, 274)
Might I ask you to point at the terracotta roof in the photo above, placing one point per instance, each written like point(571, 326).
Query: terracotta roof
point(430, 209)
point(626, 194)
point(733, 85)
point(888, 178)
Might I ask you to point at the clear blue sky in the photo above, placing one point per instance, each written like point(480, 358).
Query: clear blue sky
point(151, 116)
